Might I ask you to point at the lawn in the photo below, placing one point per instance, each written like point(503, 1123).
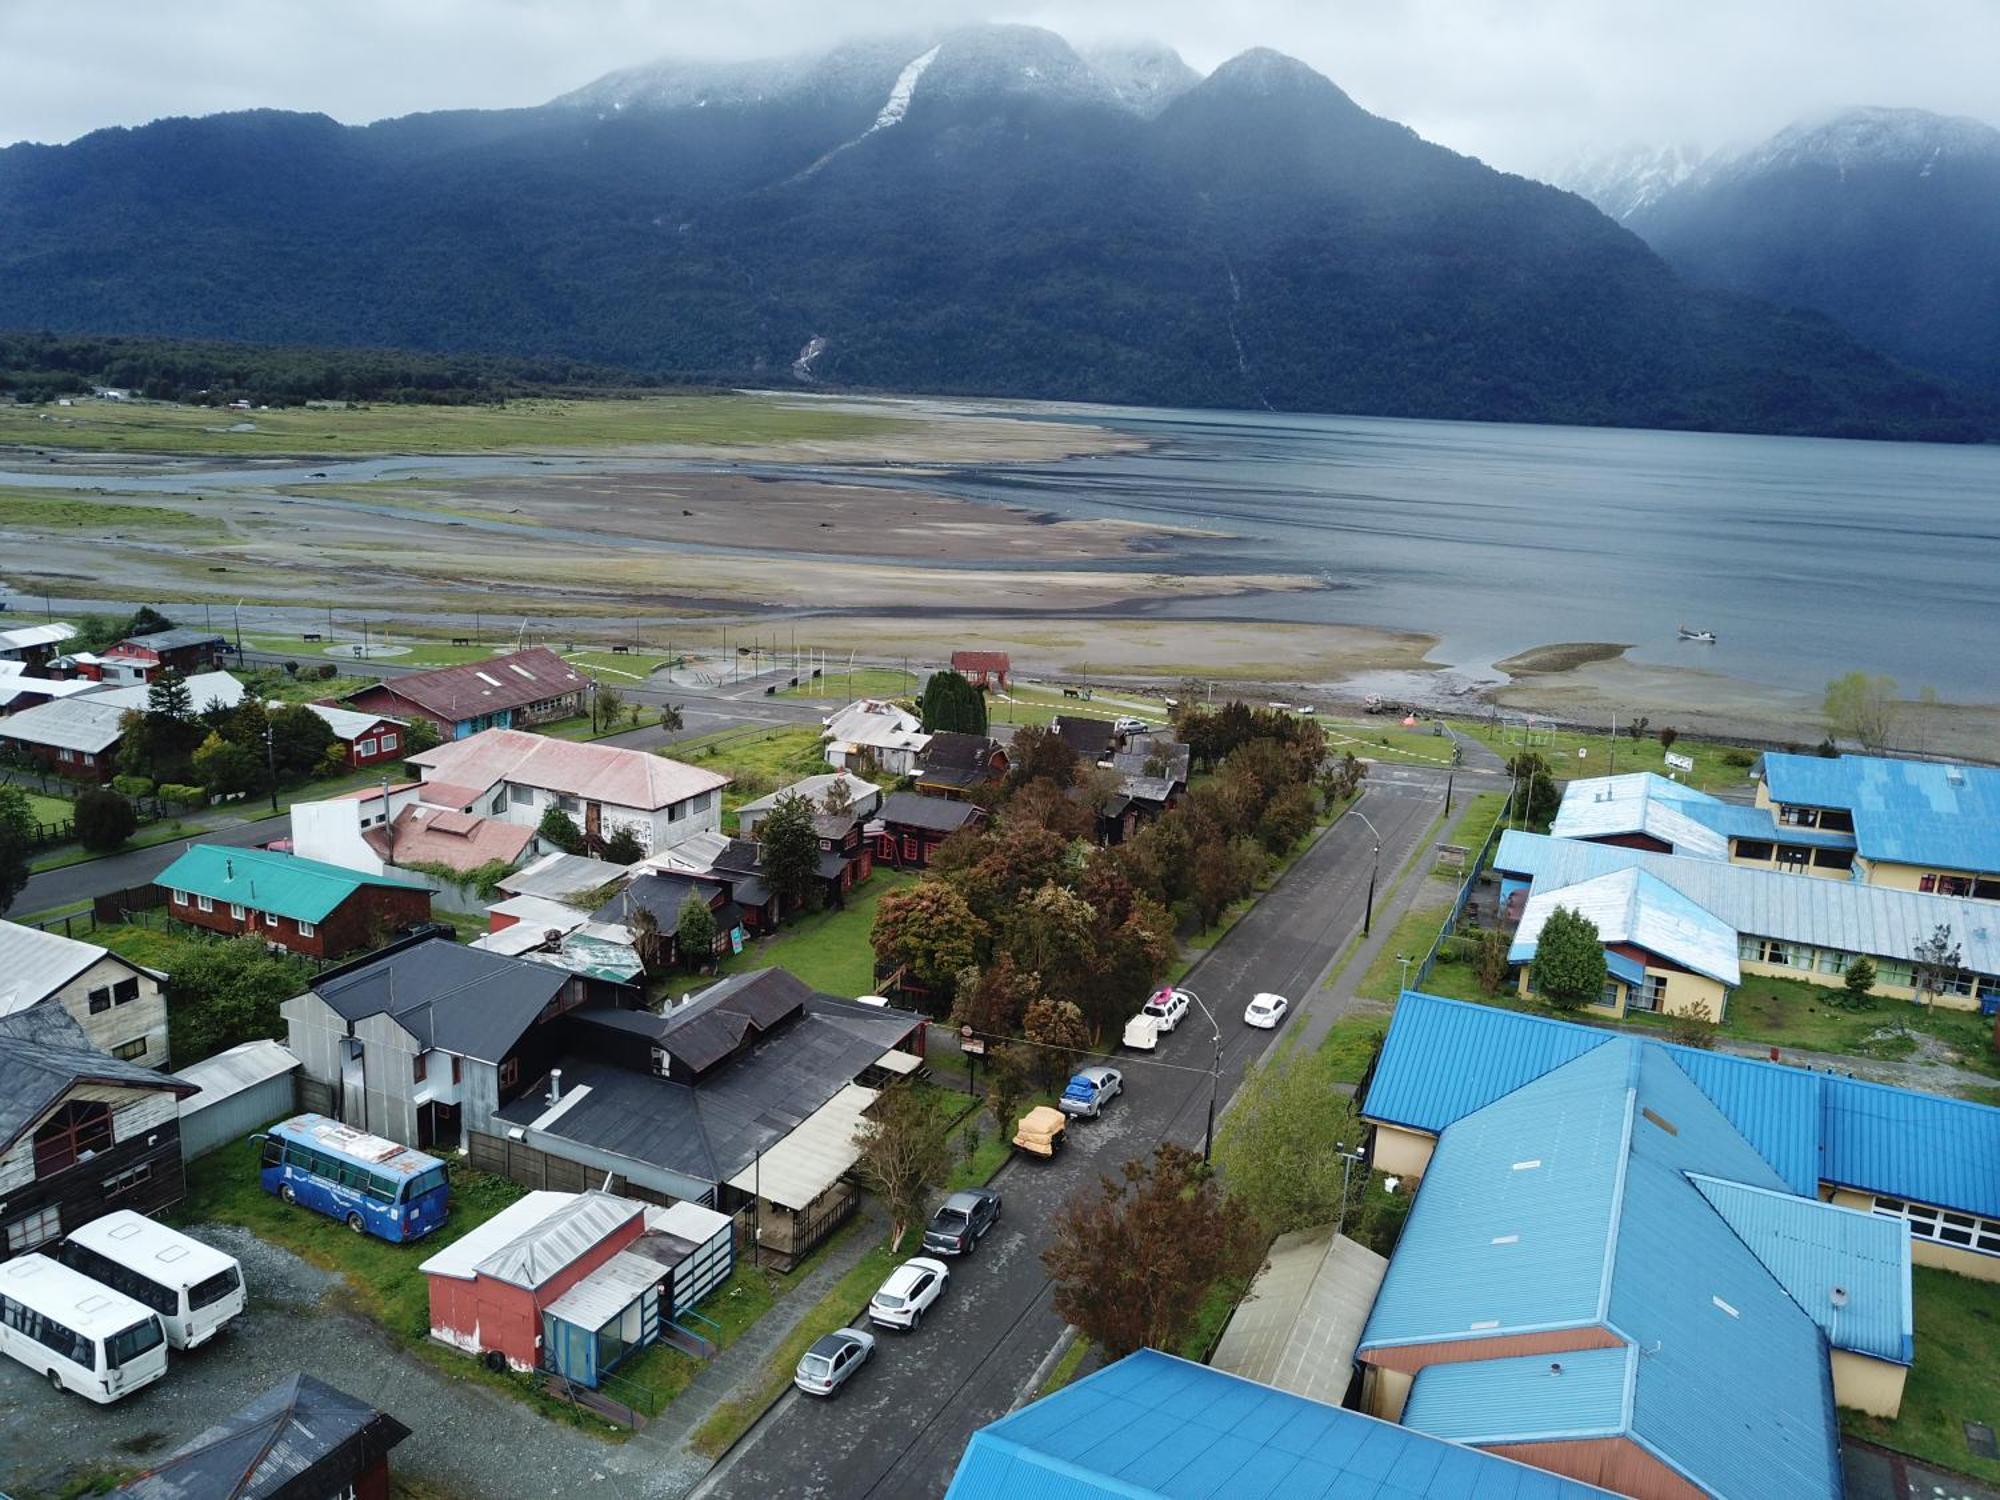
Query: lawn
point(761, 760)
point(664, 1371)
point(46, 809)
point(1471, 829)
point(1386, 739)
point(862, 682)
point(829, 950)
point(707, 420)
point(1956, 1377)
point(1351, 1042)
point(153, 947)
point(633, 667)
point(1712, 770)
point(1413, 937)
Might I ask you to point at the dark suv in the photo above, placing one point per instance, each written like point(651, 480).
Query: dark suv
point(962, 1221)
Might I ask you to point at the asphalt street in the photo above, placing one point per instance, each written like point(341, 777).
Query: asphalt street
point(899, 1427)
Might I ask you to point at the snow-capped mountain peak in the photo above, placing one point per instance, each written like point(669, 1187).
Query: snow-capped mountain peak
point(1869, 136)
point(1624, 181)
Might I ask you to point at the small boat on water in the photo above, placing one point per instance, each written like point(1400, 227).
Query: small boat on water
point(1707, 636)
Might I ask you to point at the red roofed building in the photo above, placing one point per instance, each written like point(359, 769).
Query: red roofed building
point(522, 687)
point(982, 668)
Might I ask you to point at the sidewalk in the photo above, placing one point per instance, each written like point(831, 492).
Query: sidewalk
point(1323, 1009)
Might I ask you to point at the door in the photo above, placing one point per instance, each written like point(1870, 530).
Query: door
point(593, 820)
point(353, 1084)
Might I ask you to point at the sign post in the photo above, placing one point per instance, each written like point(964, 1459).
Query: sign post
point(1680, 762)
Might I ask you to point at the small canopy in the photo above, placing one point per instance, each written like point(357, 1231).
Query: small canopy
point(813, 1157)
point(1299, 1325)
point(899, 1062)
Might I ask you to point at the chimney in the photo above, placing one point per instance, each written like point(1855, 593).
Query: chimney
point(555, 1085)
point(228, 868)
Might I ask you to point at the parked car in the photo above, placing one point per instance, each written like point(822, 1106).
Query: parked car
point(1167, 1007)
point(1090, 1090)
point(1142, 1033)
point(961, 1222)
point(910, 1290)
point(1128, 724)
point(825, 1367)
point(1266, 1010)
point(1041, 1131)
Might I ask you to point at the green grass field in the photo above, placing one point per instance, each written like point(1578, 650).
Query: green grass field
point(1956, 1377)
point(1352, 1040)
point(1412, 937)
point(1384, 738)
point(761, 760)
point(706, 420)
point(1471, 827)
point(863, 682)
point(829, 950)
point(1712, 770)
point(40, 510)
point(46, 809)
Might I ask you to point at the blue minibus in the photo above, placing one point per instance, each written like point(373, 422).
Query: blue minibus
point(374, 1186)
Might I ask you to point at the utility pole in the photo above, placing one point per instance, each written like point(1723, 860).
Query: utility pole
point(271, 761)
point(1375, 865)
point(1214, 1077)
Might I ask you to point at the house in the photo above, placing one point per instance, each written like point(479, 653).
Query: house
point(425, 1041)
point(873, 730)
point(121, 1006)
point(1662, 952)
point(562, 876)
point(368, 739)
point(300, 1440)
point(247, 1086)
point(1152, 1426)
point(33, 645)
point(305, 906)
point(744, 1098)
point(546, 932)
point(1785, 927)
point(375, 830)
point(983, 669)
point(21, 689)
point(1091, 740)
point(1642, 810)
point(521, 687)
point(577, 1283)
point(954, 764)
point(516, 776)
point(862, 798)
point(663, 895)
point(910, 827)
point(1300, 1322)
point(1916, 825)
point(205, 690)
point(81, 1132)
point(141, 658)
point(1155, 772)
point(740, 863)
point(1917, 1159)
point(1602, 1276)
point(74, 737)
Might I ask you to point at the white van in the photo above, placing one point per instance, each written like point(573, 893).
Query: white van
point(82, 1336)
point(195, 1288)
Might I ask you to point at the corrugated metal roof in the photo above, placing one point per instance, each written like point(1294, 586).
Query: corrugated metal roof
point(462, 1256)
point(351, 724)
point(1580, 1393)
point(1633, 906)
point(1902, 1144)
point(516, 679)
point(606, 1292)
point(814, 1156)
point(559, 875)
point(1837, 914)
point(269, 881)
point(23, 637)
point(554, 1241)
point(1299, 1324)
point(1908, 811)
point(1776, 1109)
point(1154, 1425)
point(1812, 1248)
point(86, 723)
point(1734, 820)
point(1596, 807)
point(1490, 1051)
point(600, 773)
point(228, 1074)
point(35, 964)
point(205, 690)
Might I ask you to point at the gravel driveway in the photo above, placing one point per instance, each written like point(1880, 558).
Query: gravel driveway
point(467, 1440)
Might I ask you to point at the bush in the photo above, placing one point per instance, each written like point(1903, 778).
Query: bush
point(1693, 1026)
point(183, 795)
point(1742, 760)
point(559, 828)
point(132, 786)
point(104, 820)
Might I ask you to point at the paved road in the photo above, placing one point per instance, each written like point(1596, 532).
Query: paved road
point(117, 872)
point(899, 1429)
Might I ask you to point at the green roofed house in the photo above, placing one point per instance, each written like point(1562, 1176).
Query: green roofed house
point(301, 905)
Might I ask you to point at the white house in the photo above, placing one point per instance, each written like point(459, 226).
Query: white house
point(375, 830)
point(121, 1007)
point(863, 798)
point(893, 736)
point(516, 776)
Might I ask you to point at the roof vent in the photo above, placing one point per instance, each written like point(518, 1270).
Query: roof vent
point(1527, 1166)
point(1838, 1296)
point(1725, 1307)
point(1955, 775)
point(1555, 1367)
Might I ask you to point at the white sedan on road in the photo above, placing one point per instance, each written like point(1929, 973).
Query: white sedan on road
point(1266, 1011)
point(911, 1288)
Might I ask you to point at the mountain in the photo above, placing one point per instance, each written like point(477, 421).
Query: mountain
point(975, 211)
point(1624, 181)
point(1886, 220)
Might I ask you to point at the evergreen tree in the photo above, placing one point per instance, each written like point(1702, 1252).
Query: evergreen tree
point(952, 703)
point(789, 837)
point(1569, 969)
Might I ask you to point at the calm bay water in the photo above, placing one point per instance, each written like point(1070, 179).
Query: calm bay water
point(1807, 557)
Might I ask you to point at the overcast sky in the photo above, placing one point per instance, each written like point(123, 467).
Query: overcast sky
point(1526, 84)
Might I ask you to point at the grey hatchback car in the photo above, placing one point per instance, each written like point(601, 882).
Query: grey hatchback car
point(824, 1368)
point(962, 1221)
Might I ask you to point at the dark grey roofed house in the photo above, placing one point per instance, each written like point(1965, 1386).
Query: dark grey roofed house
point(463, 1000)
point(1093, 740)
point(955, 761)
point(300, 1440)
point(662, 894)
point(930, 814)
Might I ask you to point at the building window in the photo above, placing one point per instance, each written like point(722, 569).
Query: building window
point(521, 796)
point(510, 1072)
point(128, 1179)
point(203, 903)
point(911, 846)
point(124, 992)
point(180, 898)
point(1755, 850)
point(65, 755)
point(388, 743)
point(1943, 1227)
point(1833, 859)
point(130, 1051)
point(568, 803)
point(1792, 857)
point(79, 1129)
point(100, 1000)
point(678, 811)
point(364, 747)
point(1652, 994)
point(457, 1068)
point(236, 910)
point(37, 1228)
point(1609, 998)
point(418, 1067)
point(306, 929)
point(271, 920)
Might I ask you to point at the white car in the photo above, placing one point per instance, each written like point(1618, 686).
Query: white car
point(911, 1288)
point(1166, 1007)
point(823, 1369)
point(1127, 724)
point(1266, 1011)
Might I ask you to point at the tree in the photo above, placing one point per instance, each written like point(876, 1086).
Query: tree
point(1569, 969)
point(104, 820)
point(1668, 734)
point(695, 933)
point(1693, 1025)
point(993, 1001)
point(1133, 1262)
point(1863, 708)
point(1937, 960)
point(624, 847)
point(1858, 979)
point(647, 940)
point(789, 837)
point(1340, 778)
point(17, 840)
point(1637, 728)
point(147, 620)
point(419, 735)
point(1288, 817)
point(670, 718)
point(1535, 796)
point(168, 697)
point(559, 828)
point(1057, 1031)
point(606, 703)
point(1008, 1077)
point(1039, 754)
point(300, 739)
point(226, 993)
point(951, 703)
point(838, 798)
point(929, 930)
point(905, 1153)
point(1489, 959)
point(1279, 1146)
point(226, 768)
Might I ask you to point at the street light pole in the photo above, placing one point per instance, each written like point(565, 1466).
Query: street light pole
point(1374, 867)
point(271, 762)
point(1214, 1077)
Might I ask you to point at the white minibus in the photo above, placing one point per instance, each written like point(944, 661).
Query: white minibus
point(82, 1336)
point(193, 1287)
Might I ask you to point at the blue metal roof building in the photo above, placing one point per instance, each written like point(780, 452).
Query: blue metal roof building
point(1153, 1425)
point(1911, 812)
point(1527, 1398)
point(1636, 907)
point(1692, 823)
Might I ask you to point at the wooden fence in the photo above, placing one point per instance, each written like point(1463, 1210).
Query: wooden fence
point(532, 1168)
